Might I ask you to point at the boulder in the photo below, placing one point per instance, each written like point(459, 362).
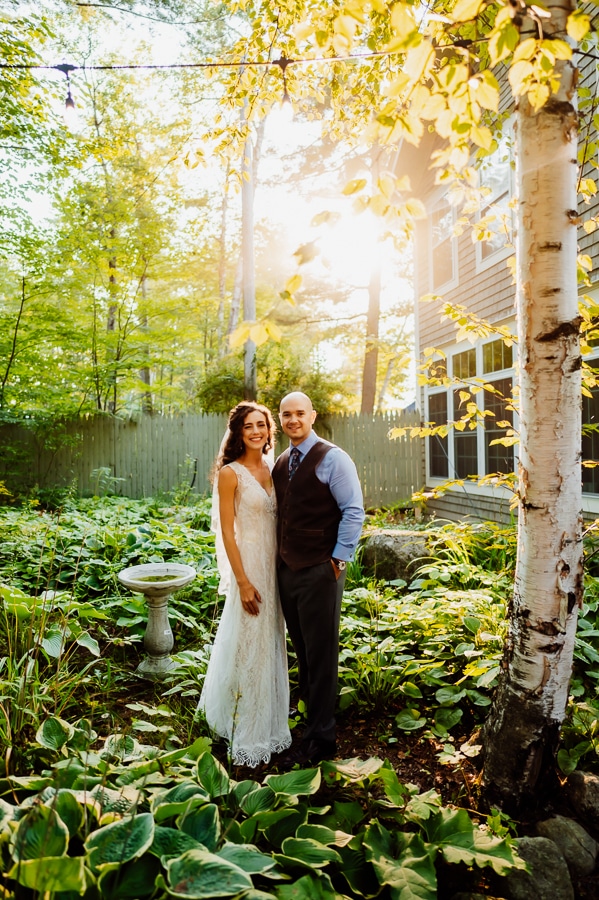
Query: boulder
point(548, 878)
point(582, 792)
point(390, 553)
point(575, 844)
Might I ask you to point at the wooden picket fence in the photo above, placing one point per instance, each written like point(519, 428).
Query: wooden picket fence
point(151, 455)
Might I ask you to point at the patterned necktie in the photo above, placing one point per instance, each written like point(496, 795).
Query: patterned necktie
point(294, 461)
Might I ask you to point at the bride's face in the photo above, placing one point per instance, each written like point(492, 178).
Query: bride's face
point(254, 432)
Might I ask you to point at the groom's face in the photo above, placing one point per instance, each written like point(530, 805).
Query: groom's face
point(297, 418)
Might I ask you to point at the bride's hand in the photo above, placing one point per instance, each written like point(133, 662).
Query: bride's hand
point(250, 599)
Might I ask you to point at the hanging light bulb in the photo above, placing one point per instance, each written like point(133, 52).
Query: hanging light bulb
point(70, 110)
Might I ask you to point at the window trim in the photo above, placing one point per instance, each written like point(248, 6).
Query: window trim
point(452, 283)
point(482, 264)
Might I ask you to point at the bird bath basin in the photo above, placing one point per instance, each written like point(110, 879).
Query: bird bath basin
point(157, 581)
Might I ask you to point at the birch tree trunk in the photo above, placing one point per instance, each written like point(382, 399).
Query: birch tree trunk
point(522, 732)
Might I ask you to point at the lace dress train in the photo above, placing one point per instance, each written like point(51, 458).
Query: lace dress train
point(245, 697)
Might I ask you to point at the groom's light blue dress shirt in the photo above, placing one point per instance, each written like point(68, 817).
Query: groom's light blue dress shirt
point(337, 470)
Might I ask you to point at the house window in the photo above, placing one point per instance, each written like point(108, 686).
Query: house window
point(497, 355)
point(437, 444)
point(496, 220)
point(443, 245)
point(465, 443)
point(497, 398)
point(590, 442)
point(472, 452)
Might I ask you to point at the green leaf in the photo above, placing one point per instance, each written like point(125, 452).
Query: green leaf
point(309, 887)
point(133, 881)
point(51, 874)
point(395, 792)
point(202, 824)
point(41, 832)
point(409, 720)
point(54, 733)
point(178, 799)
point(305, 853)
point(358, 872)
point(295, 784)
point(354, 771)
point(410, 689)
point(86, 640)
point(282, 823)
point(401, 861)
point(212, 776)
point(120, 841)
point(199, 874)
point(246, 857)
point(169, 843)
point(324, 835)
point(65, 803)
point(445, 719)
point(460, 841)
point(53, 641)
point(260, 800)
point(472, 623)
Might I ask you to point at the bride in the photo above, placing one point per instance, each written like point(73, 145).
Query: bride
point(245, 697)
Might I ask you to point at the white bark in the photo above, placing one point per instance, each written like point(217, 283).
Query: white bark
point(523, 729)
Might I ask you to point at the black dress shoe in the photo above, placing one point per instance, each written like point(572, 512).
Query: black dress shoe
point(308, 753)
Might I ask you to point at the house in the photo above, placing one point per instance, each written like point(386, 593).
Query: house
point(472, 374)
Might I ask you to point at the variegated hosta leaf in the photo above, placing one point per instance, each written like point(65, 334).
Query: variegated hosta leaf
point(51, 874)
point(199, 874)
point(54, 733)
point(178, 799)
point(305, 853)
point(121, 841)
point(202, 824)
point(40, 833)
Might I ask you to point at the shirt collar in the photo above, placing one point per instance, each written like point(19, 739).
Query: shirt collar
point(307, 444)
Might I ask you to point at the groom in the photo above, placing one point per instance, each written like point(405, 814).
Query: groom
point(320, 515)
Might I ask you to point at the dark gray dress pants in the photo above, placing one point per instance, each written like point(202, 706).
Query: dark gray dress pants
point(311, 602)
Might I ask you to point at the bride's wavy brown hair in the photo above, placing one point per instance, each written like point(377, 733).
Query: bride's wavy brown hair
point(234, 446)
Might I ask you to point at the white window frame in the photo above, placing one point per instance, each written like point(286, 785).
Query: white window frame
point(480, 379)
point(485, 262)
point(438, 200)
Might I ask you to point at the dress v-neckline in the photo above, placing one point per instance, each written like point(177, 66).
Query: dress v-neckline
point(268, 493)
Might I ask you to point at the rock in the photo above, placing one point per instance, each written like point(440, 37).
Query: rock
point(548, 878)
point(582, 791)
point(391, 553)
point(575, 844)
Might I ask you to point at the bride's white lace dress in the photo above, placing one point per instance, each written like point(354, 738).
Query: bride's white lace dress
point(245, 697)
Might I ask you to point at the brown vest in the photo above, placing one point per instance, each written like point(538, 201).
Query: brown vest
point(308, 516)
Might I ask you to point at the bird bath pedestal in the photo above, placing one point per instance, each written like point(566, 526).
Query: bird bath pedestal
point(157, 581)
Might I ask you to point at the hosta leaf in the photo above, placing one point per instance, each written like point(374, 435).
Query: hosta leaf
point(260, 800)
point(169, 843)
point(199, 874)
point(68, 807)
point(120, 841)
point(395, 792)
point(358, 872)
point(53, 641)
point(282, 823)
point(212, 776)
point(132, 881)
point(181, 798)
point(86, 640)
point(446, 719)
point(7, 813)
point(354, 770)
point(459, 840)
point(247, 857)
point(54, 733)
point(121, 802)
point(411, 878)
point(409, 720)
point(41, 832)
point(297, 783)
point(305, 853)
point(51, 874)
point(309, 887)
point(324, 835)
point(422, 806)
point(202, 824)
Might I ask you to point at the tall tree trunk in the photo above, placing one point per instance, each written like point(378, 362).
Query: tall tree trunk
point(13, 349)
point(522, 732)
point(371, 353)
point(247, 251)
point(222, 268)
point(144, 372)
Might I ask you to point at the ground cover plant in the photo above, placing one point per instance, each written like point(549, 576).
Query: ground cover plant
point(110, 784)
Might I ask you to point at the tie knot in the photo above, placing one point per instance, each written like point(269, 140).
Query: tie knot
point(294, 461)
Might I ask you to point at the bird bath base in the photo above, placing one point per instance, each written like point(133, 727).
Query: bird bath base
point(157, 581)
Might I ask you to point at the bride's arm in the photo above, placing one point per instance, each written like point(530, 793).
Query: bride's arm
point(227, 484)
